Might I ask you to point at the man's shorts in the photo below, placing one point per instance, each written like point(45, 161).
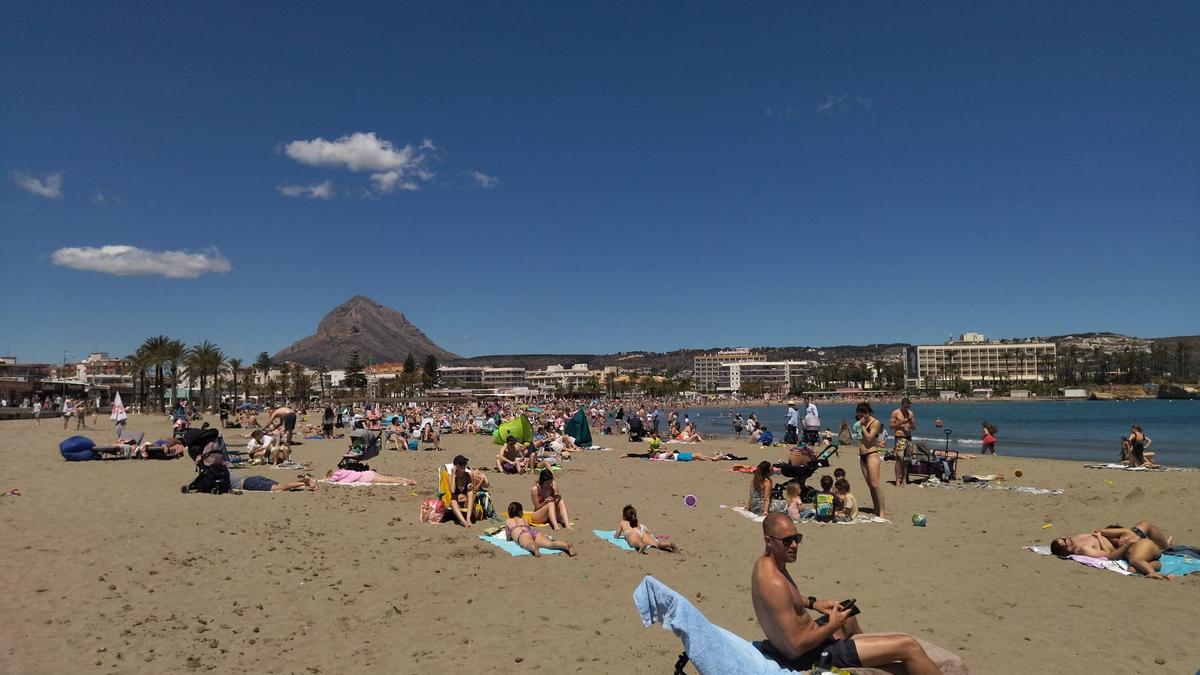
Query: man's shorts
point(257, 484)
point(903, 448)
point(289, 422)
point(832, 654)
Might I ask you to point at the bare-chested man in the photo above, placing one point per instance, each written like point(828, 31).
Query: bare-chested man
point(1141, 546)
point(796, 641)
point(285, 418)
point(902, 422)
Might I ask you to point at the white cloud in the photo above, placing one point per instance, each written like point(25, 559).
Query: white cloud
point(101, 198)
point(483, 180)
point(391, 167)
point(126, 261)
point(48, 186)
point(315, 191)
point(836, 103)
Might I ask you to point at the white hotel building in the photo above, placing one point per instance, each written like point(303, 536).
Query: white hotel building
point(976, 360)
point(728, 370)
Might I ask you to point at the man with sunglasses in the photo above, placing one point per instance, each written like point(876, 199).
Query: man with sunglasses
point(794, 639)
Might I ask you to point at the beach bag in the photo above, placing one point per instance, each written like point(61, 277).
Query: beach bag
point(77, 449)
point(413, 445)
point(483, 504)
point(432, 511)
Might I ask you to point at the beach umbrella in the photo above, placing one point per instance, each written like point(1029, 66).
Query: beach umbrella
point(534, 408)
point(118, 409)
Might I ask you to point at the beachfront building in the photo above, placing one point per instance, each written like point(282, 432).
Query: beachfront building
point(481, 377)
point(978, 361)
point(557, 377)
point(711, 373)
point(764, 377)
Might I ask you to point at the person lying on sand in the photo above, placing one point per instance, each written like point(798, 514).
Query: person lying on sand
point(527, 537)
point(795, 640)
point(372, 477)
point(1141, 546)
point(635, 534)
point(239, 483)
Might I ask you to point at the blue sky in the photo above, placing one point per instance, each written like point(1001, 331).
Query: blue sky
point(626, 175)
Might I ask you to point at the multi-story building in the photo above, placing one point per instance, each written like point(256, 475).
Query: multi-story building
point(709, 371)
point(503, 378)
point(977, 360)
point(470, 377)
point(556, 376)
point(775, 376)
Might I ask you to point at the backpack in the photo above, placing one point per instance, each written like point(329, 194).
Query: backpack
point(432, 511)
point(483, 502)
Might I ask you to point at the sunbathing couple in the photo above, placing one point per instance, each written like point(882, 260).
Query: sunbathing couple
point(1141, 546)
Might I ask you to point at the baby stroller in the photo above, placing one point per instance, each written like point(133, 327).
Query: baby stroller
point(636, 429)
point(799, 474)
point(926, 463)
point(212, 475)
point(364, 445)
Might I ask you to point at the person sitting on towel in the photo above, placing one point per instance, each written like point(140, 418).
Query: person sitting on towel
point(511, 458)
point(464, 483)
point(795, 640)
point(1141, 546)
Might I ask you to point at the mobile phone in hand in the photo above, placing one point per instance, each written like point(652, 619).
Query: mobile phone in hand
point(846, 604)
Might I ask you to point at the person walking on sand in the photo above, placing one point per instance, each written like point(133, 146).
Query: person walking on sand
point(902, 422)
point(989, 438)
point(37, 412)
point(868, 455)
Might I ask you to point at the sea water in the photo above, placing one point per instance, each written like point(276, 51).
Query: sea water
point(1075, 430)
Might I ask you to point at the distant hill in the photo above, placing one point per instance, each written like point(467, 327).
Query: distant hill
point(379, 334)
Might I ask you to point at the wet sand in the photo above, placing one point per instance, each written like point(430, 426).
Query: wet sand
point(108, 568)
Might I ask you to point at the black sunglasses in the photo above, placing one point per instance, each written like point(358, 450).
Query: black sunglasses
point(788, 541)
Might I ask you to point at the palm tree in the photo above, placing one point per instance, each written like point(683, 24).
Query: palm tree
point(136, 364)
point(234, 366)
point(285, 378)
point(205, 359)
point(155, 348)
point(173, 353)
point(263, 365)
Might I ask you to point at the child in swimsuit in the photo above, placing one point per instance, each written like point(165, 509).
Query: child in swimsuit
point(635, 534)
point(527, 537)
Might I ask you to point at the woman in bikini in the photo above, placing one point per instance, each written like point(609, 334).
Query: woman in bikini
point(1139, 442)
point(527, 536)
point(760, 491)
point(868, 456)
point(635, 534)
point(548, 504)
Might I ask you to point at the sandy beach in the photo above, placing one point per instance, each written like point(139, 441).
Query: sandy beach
point(108, 568)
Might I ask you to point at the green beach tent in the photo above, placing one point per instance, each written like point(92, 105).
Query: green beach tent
point(577, 428)
point(518, 427)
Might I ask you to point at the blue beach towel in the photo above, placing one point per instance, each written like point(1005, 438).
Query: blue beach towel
point(712, 649)
point(511, 547)
point(611, 537)
point(1178, 565)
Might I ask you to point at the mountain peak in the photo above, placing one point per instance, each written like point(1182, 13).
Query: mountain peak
point(379, 334)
